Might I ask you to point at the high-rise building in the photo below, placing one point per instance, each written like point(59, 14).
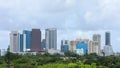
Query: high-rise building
point(108, 50)
point(51, 38)
point(78, 46)
point(27, 40)
point(72, 44)
point(81, 48)
point(21, 42)
point(43, 45)
point(97, 38)
point(107, 38)
point(64, 46)
point(93, 47)
point(14, 42)
point(36, 40)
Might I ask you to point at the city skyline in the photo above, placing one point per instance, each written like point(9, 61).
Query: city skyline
point(72, 18)
point(30, 41)
point(102, 42)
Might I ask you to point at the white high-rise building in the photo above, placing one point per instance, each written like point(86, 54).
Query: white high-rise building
point(51, 38)
point(14, 42)
point(93, 47)
point(97, 38)
point(108, 50)
point(24, 43)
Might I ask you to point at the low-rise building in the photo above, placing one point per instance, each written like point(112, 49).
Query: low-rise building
point(3, 52)
point(52, 52)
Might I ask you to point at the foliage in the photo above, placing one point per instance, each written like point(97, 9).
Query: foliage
point(69, 60)
point(70, 65)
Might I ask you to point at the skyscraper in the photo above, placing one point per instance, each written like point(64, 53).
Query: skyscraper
point(64, 46)
point(108, 50)
point(27, 40)
point(21, 42)
point(81, 48)
point(14, 42)
point(72, 46)
point(97, 38)
point(36, 40)
point(51, 38)
point(95, 47)
point(43, 45)
point(107, 38)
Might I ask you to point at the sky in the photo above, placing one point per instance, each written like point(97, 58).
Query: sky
point(73, 19)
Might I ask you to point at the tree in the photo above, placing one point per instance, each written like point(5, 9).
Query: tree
point(7, 59)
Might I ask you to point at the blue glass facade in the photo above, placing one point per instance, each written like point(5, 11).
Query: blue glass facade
point(107, 38)
point(82, 45)
point(28, 38)
point(43, 45)
point(64, 42)
point(64, 46)
point(21, 42)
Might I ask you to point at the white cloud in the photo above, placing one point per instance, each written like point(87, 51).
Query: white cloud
point(23, 13)
point(90, 18)
point(76, 17)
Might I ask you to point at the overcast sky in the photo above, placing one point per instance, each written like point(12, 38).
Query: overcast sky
point(73, 18)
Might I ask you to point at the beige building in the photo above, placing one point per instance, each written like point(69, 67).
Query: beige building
point(93, 46)
point(72, 46)
point(73, 43)
point(14, 41)
point(97, 38)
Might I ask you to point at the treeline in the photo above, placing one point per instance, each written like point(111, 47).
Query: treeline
point(70, 65)
point(69, 60)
